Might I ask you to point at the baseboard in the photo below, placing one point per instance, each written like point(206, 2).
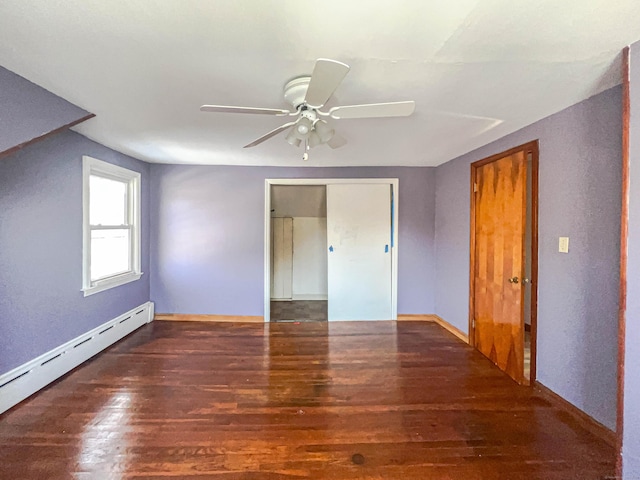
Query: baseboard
point(416, 317)
point(585, 420)
point(25, 380)
point(432, 317)
point(186, 317)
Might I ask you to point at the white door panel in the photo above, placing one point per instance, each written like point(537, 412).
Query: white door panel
point(359, 251)
point(282, 245)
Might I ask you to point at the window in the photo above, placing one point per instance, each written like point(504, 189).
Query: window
point(111, 226)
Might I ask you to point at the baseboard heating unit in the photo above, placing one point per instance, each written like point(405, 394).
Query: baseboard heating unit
point(25, 380)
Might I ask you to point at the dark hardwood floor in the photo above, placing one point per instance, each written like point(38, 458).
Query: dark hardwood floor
point(348, 400)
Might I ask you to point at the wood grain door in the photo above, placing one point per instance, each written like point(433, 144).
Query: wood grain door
point(498, 229)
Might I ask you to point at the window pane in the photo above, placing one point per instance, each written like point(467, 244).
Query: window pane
point(107, 201)
point(109, 253)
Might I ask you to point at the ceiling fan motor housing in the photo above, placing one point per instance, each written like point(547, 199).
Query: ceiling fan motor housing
point(296, 90)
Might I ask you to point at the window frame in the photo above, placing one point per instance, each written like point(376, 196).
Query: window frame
point(94, 167)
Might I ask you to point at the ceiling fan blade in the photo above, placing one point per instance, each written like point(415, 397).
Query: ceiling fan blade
point(374, 110)
point(228, 109)
point(272, 133)
point(337, 141)
point(326, 76)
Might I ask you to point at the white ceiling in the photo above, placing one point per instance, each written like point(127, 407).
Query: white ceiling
point(477, 69)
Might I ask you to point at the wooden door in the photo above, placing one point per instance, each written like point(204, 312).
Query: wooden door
point(499, 222)
point(359, 251)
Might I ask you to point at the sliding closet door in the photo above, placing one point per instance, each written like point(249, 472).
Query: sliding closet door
point(359, 251)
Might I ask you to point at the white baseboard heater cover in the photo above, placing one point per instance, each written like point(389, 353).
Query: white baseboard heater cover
point(25, 380)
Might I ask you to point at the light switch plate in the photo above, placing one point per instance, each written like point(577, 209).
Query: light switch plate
point(563, 244)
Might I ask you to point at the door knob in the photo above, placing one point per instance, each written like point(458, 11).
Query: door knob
point(513, 280)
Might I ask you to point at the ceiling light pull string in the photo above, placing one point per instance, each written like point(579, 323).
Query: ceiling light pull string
point(305, 155)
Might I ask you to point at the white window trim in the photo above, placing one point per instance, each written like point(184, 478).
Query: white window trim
point(94, 166)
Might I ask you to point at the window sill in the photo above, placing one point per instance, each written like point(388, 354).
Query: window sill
point(111, 283)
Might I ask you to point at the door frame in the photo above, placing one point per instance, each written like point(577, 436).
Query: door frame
point(528, 148)
point(393, 182)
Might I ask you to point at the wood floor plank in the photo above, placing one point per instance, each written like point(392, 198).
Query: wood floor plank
point(347, 400)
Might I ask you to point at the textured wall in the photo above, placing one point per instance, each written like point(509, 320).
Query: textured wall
point(41, 305)
point(579, 197)
point(631, 442)
point(208, 231)
point(28, 111)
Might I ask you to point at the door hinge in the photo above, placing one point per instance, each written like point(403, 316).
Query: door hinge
point(473, 322)
point(475, 187)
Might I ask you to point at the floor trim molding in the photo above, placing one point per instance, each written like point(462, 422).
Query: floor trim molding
point(585, 420)
point(186, 317)
point(30, 377)
point(432, 317)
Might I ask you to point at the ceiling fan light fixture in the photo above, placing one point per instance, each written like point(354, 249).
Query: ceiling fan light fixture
point(314, 139)
point(303, 127)
point(292, 138)
point(323, 130)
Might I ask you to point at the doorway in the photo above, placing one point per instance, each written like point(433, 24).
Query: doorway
point(298, 253)
point(354, 215)
point(504, 260)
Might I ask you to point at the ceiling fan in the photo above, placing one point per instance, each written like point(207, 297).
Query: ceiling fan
point(307, 95)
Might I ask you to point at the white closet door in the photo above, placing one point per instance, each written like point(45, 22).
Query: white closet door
point(359, 251)
point(282, 245)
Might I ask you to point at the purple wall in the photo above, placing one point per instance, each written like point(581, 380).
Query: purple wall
point(41, 305)
point(631, 442)
point(579, 197)
point(28, 111)
point(208, 231)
